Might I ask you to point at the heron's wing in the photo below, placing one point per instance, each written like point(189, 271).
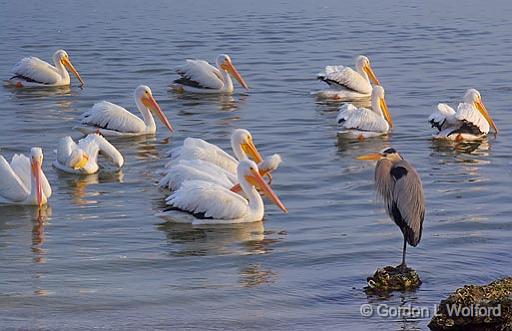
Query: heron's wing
point(33, 69)
point(408, 203)
point(95, 141)
point(64, 149)
point(200, 74)
point(208, 200)
point(12, 186)
point(363, 119)
point(442, 117)
point(468, 114)
point(270, 163)
point(346, 78)
point(106, 115)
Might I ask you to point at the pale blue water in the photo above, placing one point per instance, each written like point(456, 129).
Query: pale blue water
point(103, 260)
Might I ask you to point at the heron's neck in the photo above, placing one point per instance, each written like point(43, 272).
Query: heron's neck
point(146, 115)
point(256, 207)
point(238, 151)
point(226, 78)
point(61, 69)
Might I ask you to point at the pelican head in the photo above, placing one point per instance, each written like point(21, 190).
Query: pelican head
point(379, 102)
point(474, 98)
point(248, 170)
point(36, 162)
point(363, 65)
point(243, 138)
point(387, 153)
point(145, 96)
point(224, 62)
point(78, 159)
point(61, 56)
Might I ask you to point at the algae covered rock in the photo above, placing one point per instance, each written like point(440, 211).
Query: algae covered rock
point(389, 279)
point(472, 307)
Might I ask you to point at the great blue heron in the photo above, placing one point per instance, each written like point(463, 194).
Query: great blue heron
point(399, 185)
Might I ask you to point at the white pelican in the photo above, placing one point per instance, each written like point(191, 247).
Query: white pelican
point(183, 170)
point(82, 158)
point(112, 120)
point(34, 72)
point(209, 203)
point(199, 76)
point(349, 84)
point(362, 122)
point(23, 182)
point(471, 120)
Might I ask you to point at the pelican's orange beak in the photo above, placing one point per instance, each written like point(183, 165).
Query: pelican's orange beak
point(237, 188)
point(67, 63)
point(36, 171)
point(230, 68)
point(481, 107)
point(370, 157)
point(385, 111)
point(251, 150)
point(257, 180)
point(368, 69)
point(152, 105)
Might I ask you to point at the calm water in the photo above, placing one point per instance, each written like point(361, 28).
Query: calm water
point(103, 260)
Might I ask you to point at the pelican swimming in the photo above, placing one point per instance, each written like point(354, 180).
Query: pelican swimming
point(112, 120)
point(471, 120)
point(207, 202)
point(349, 84)
point(183, 170)
point(22, 182)
point(363, 122)
point(34, 72)
point(399, 185)
point(82, 158)
point(199, 76)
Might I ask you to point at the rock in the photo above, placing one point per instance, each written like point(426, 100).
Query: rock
point(389, 279)
point(473, 307)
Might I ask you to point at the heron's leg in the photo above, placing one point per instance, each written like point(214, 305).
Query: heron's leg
point(403, 266)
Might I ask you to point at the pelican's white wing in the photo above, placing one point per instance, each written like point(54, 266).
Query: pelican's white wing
point(212, 200)
point(442, 117)
point(271, 163)
point(106, 115)
point(199, 149)
point(11, 185)
point(33, 69)
point(362, 119)
point(20, 164)
point(185, 170)
point(469, 114)
point(345, 78)
point(93, 141)
point(200, 74)
point(64, 149)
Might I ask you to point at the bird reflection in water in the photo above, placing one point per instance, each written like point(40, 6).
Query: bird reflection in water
point(464, 152)
point(254, 275)
point(40, 219)
point(351, 148)
point(79, 184)
point(40, 92)
point(247, 238)
point(225, 102)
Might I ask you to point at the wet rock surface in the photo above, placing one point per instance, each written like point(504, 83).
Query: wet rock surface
point(388, 279)
point(473, 307)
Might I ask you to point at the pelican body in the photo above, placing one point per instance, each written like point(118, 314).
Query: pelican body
point(363, 122)
point(198, 76)
point(209, 203)
point(347, 83)
point(82, 158)
point(34, 72)
point(112, 120)
point(23, 182)
point(400, 187)
point(471, 121)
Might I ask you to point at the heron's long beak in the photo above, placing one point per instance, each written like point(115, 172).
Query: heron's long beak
point(385, 111)
point(371, 74)
point(230, 68)
point(83, 161)
point(252, 151)
point(370, 157)
point(152, 105)
point(255, 179)
point(36, 171)
point(481, 107)
point(71, 68)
